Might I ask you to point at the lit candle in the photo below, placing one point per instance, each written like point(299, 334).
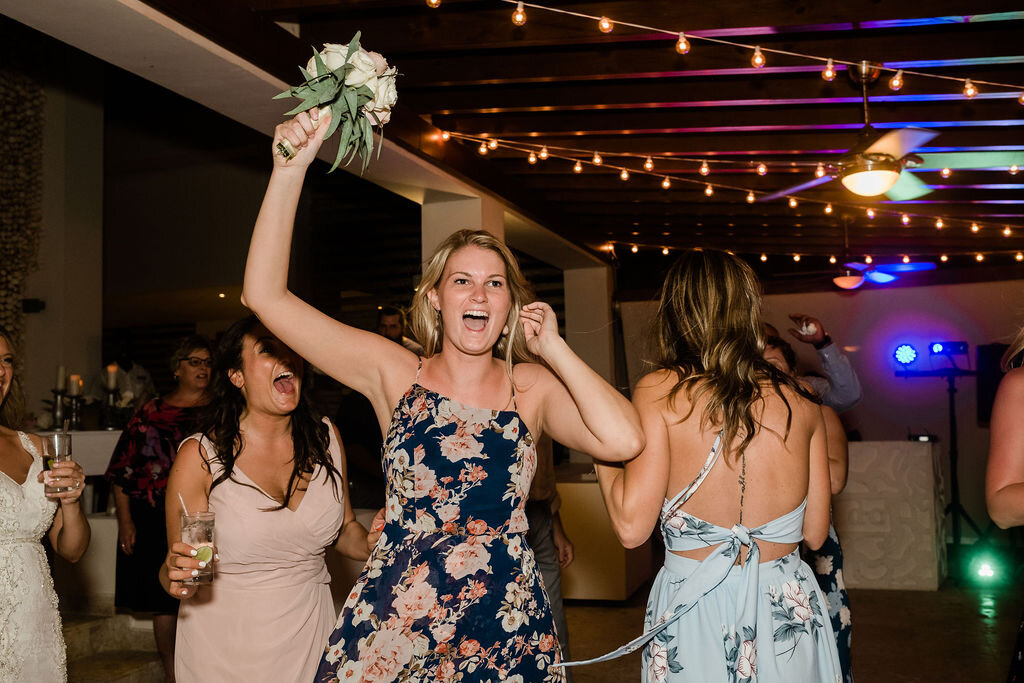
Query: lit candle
point(112, 376)
point(62, 378)
point(75, 385)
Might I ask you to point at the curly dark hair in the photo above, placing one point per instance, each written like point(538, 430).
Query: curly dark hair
point(220, 420)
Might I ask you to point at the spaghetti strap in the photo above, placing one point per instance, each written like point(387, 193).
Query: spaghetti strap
point(419, 366)
point(685, 494)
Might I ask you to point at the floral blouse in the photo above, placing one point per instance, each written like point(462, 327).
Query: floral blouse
point(143, 456)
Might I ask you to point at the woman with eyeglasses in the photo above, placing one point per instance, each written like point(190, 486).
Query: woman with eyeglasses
point(138, 470)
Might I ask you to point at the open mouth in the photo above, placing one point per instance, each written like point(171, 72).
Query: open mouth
point(285, 382)
point(475, 320)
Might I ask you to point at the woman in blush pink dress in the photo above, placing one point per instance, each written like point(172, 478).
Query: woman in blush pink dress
point(274, 475)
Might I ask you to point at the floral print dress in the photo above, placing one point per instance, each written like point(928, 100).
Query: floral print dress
point(451, 591)
point(713, 621)
point(827, 563)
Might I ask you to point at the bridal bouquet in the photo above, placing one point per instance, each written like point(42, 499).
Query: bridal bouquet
point(357, 87)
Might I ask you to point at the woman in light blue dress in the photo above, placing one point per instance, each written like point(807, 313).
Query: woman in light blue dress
point(735, 470)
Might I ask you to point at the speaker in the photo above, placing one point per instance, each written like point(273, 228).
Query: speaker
point(989, 376)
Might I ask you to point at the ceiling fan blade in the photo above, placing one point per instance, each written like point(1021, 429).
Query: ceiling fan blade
point(901, 142)
point(908, 186)
point(814, 182)
point(912, 267)
point(977, 160)
point(854, 265)
point(879, 278)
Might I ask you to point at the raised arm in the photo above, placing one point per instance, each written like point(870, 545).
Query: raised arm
point(1004, 476)
point(579, 409)
point(367, 362)
point(634, 493)
point(818, 513)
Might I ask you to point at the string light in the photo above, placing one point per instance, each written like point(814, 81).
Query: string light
point(1006, 231)
point(758, 59)
point(868, 259)
point(946, 172)
point(764, 257)
point(1020, 100)
point(434, 3)
point(519, 16)
point(446, 136)
point(493, 144)
point(906, 259)
point(796, 257)
point(829, 74)
point(532, 158)
point(666, 183)
point(939, 224)
point(605, 25)
point(648, 164)
point(543, 153)
point(943, 258)
point(792, 202)
point(828, 209)
point(871, 213)
point(578, 168)
point(750, 198)
point(634, 249)
point(664, 251)
point(1019, 256)
point(761, 169)
point(1014, 169)
point(682, 45)
point(905, 219)
point(624, 174)
point(819, 172)
point(979, 257)
point(704, 168)
point(597, 160)
point(974, 227)
point(708, 190)
point(832, 259)
point(896, 82)
point(970, 90)
point(482, 148)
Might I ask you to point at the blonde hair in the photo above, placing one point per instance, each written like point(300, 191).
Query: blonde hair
point(709, 333)
point(1011, 359)
point(426, 322)
point(12, 407)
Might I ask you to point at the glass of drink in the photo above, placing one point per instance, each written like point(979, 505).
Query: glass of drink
point(56, 448)
point(197, 531)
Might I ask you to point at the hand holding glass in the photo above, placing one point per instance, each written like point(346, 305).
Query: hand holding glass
point(197, 530)
point(56, 448)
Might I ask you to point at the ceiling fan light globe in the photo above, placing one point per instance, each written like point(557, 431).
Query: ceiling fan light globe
point(871, 178)
point(848, 281)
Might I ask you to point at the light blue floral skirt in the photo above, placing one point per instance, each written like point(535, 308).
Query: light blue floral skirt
point(791, 640)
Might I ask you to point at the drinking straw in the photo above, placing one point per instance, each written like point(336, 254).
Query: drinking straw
point(183, 504)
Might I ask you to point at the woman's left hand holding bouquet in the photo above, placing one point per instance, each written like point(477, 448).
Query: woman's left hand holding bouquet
point(304, 133)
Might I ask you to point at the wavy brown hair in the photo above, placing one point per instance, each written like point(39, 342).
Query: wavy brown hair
point(1012, 358)
point(425, 322)
point(709, 333)
point(12, 407)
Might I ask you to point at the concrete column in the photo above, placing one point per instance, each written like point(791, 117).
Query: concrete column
point(70, 276)
point(443, 213)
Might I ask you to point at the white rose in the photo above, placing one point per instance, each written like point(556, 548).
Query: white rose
point(333, 56)
point(385, 94)
point(365, 69)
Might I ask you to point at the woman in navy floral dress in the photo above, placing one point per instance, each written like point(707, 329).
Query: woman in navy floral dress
point(451, 590)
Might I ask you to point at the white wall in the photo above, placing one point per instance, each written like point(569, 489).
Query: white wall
point(868, 324)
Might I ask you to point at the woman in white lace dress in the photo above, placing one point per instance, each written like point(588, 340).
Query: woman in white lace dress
point(31, 643)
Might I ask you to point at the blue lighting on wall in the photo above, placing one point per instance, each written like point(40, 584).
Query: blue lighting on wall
point(905, 354)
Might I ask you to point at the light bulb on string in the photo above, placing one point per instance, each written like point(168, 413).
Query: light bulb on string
point(796, 257)
point(666, 183)
point(519, 16)
point(1020, 99)
point(974, 227)
point(979, 257)
point(871, 213)
point(648, 164)
point(905, 219)
point(906, 259)
point(943, 258)
point(492, 144)
point(1014, 169)
point(664, 251)
point(828, 209)
point(1019, 256)
point(1006, 231)
point(578, 168)
point(605, 25)
point(532, 158)
point(758, 59)
point(829, 74)
point(634, 249)
point(482, 148)
point(764, 257)
point(709, 190)
point(597, 160)
point(624, 174)
point(832, 259)
point(946, 172)
point(792, 202)
point(819, 172)
point(970, 90)
point(704, 168)
point(939, 224)
point(434, 3)
point(682, 45)
point(868, 259)
point(751, 198)
point(446, 136)
point(762, 169)
point(543, 153)
point(896, 82)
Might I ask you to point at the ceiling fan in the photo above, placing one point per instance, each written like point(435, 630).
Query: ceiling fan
point(881, 274)
point(877, 165)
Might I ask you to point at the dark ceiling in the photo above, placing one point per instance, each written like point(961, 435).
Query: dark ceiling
point(558, 81)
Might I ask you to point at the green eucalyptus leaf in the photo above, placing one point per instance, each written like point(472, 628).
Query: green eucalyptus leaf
point(346, 134)
point(305, 74)
point(305, 106)
point(335, 120)
point(337, 158)
point(350, 100)
point(353, 45)
point(321, 68)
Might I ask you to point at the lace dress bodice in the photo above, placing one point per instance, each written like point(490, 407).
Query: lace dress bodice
point(31, 642)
